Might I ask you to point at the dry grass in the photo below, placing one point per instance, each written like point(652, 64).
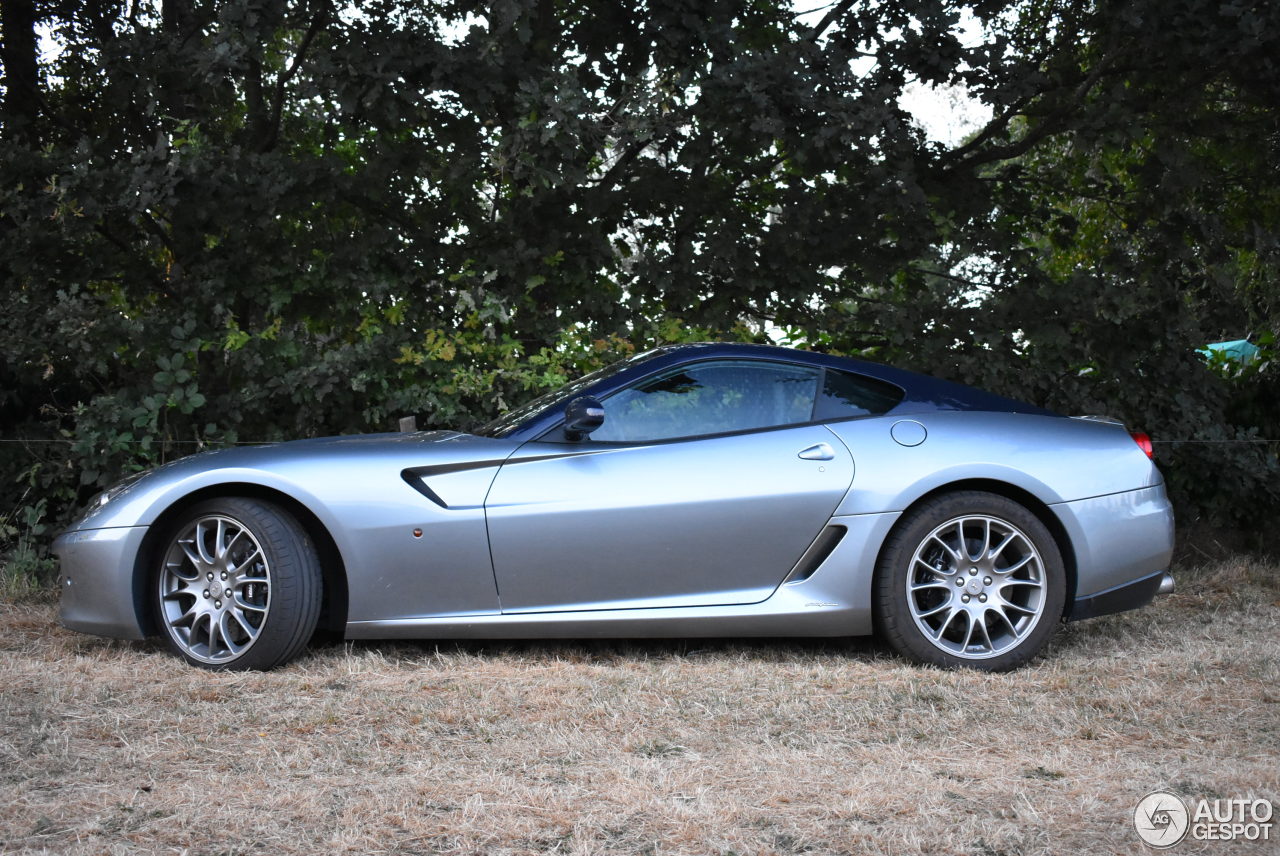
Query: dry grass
point(633, 747)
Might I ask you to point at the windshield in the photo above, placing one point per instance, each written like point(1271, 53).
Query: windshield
point(512, 419)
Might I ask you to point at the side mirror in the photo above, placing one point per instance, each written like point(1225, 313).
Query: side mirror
point(582, 416)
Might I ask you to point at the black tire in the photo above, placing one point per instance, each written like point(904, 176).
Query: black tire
point(942, 598)
point(237, 585)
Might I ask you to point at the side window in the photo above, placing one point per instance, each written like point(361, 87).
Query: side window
point(710, 398)
point(845, 395)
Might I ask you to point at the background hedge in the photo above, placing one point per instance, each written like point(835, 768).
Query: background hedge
point(241, 221)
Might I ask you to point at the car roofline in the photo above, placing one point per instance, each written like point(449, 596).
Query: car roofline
point(923, 393)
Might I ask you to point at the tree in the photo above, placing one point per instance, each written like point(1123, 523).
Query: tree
point(246, 220)
point(1123, 216)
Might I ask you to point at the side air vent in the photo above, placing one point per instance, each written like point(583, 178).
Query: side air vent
point(415, 481)
point(817, 553)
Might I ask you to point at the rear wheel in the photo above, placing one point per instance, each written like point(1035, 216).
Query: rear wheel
point(970, 579)
point(238, 585)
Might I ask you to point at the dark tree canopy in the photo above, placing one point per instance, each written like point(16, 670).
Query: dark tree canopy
point(231, 221)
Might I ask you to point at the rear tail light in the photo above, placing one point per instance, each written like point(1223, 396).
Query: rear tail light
point(1144, 443)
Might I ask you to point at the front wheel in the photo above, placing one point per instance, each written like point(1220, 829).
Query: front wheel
point(970, 579)
point(238, 585)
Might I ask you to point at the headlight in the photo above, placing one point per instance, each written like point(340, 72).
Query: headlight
point(114, 491)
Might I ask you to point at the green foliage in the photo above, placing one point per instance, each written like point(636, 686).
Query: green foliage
point(26, 570)
point(240, 221)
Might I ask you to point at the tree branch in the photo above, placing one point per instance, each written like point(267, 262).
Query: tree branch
point(123, 247)
point(317, 22)
point(630, 154)
point(830, 18)
point(1048, 125)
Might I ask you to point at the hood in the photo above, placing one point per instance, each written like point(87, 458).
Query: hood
point(290, 467)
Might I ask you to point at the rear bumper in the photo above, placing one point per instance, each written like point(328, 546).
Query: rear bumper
point(97, 581)
point(1122, 544)
point(1124, 597)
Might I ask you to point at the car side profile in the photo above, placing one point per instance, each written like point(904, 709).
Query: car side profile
point(695, 490)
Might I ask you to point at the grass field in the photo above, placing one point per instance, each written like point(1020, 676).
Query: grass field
point(774, 746)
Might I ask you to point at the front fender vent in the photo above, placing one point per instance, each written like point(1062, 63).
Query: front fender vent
point(415, 481)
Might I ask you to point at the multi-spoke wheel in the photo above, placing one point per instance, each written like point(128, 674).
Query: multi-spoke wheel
point(970, 579)
point(238, 585)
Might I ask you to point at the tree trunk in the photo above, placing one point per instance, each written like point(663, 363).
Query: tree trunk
point(21, 74)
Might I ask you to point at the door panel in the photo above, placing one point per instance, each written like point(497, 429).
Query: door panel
point(698, 522)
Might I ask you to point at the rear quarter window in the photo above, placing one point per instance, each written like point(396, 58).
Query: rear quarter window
point(845, 395)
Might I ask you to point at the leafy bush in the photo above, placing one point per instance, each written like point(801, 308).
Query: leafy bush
point(234, 222)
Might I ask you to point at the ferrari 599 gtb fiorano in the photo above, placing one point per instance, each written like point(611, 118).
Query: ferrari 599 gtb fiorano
point(699, 490)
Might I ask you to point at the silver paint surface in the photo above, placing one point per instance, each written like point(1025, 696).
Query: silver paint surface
point(705, 522)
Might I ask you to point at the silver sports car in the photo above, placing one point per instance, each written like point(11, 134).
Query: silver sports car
point(699, 490)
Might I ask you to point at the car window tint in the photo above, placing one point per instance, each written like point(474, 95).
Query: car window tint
point(710, 398)
point(845, 394)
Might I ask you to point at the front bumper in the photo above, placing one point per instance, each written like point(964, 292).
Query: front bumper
point(100, 594)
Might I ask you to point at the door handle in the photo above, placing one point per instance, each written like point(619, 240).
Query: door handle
point(820, 452)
